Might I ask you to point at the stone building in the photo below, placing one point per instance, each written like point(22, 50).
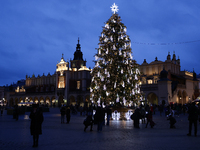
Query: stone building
point(164, 82)
point(68, 85)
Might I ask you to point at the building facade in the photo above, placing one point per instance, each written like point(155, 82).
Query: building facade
point(68, 85)
point(162, 82)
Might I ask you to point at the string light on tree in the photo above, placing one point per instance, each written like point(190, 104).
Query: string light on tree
point(115, 74)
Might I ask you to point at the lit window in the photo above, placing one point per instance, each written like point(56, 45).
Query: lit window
point(78, 84)
point(149, 81)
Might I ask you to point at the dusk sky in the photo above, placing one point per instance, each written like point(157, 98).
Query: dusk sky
point(35, 33)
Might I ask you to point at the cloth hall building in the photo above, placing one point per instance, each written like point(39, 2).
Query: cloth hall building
point(162, 82)
point(68, 85)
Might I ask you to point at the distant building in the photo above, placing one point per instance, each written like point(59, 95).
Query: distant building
point(68, 85)
point(164, 83)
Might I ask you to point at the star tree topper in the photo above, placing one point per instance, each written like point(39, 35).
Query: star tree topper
point(114, 8)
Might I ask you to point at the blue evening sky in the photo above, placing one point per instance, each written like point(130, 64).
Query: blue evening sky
point(35, 33)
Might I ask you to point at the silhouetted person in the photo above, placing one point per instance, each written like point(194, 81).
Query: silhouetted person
point(88, 122)
point(109, 113)
point(37, 118)
point(62, 112)
point(16, 112)
point(193, 117)
point(150, 119)
point(68, 114)
point(99, 117)
point(137, 117)
point(1, 107)
point(172, 121)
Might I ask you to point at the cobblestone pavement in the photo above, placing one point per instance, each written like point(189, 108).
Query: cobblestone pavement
point(15, 135)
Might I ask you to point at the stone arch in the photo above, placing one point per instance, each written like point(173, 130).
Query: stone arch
point(47, 100)
point(41, 100)
point(36, 100)
point(11, 102)
point(179, 97)
point(16, 101)
point(184, 95)
point(87, 100)
point(30, 99)
point(72, 100)
point(152, 98)
point(80, 101)
point(21, 100)
point(53, 101)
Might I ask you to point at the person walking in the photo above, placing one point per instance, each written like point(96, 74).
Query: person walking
point(88, 122)
point(37, 118)
point(109, 113)
point(150, 119)
point(136, 118)
point(62, 111)
point(193, 117)
point(99, 118)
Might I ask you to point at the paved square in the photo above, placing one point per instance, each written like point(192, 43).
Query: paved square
point(15, 135)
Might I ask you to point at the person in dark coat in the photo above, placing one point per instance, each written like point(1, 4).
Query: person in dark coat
point(68, 114)
point(99, 118)
point(150, 119)
point(137, 117)
point(193, 117)
point(37, 118)
point(62, 111)
point(109, 113)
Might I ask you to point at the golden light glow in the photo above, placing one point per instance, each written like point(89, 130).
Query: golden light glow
point(149, 81)
point(84, 68)
point(78, 84)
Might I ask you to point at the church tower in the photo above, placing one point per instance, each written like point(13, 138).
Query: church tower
point(78, 61)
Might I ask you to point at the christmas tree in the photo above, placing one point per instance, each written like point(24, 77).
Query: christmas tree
point(115, 77)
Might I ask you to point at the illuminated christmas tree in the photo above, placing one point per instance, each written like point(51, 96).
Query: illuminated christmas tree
point(115, 77)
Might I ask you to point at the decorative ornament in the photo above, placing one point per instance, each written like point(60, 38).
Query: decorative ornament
point(104, 87)
point(123, 84)
point(114, 48)
point(120, 52)
point(114, 8)
point(117, 100)
point(114, 21)
point(125, 29)
point(107, 26)
point(105, 40)
point(107, 93)
point(108, 75)
point(111, 38)
point(96, 57)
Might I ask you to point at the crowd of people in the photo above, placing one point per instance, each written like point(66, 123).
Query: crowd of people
point(143, 112)
point(97, 114)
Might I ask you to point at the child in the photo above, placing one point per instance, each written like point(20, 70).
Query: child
point(172, 121)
